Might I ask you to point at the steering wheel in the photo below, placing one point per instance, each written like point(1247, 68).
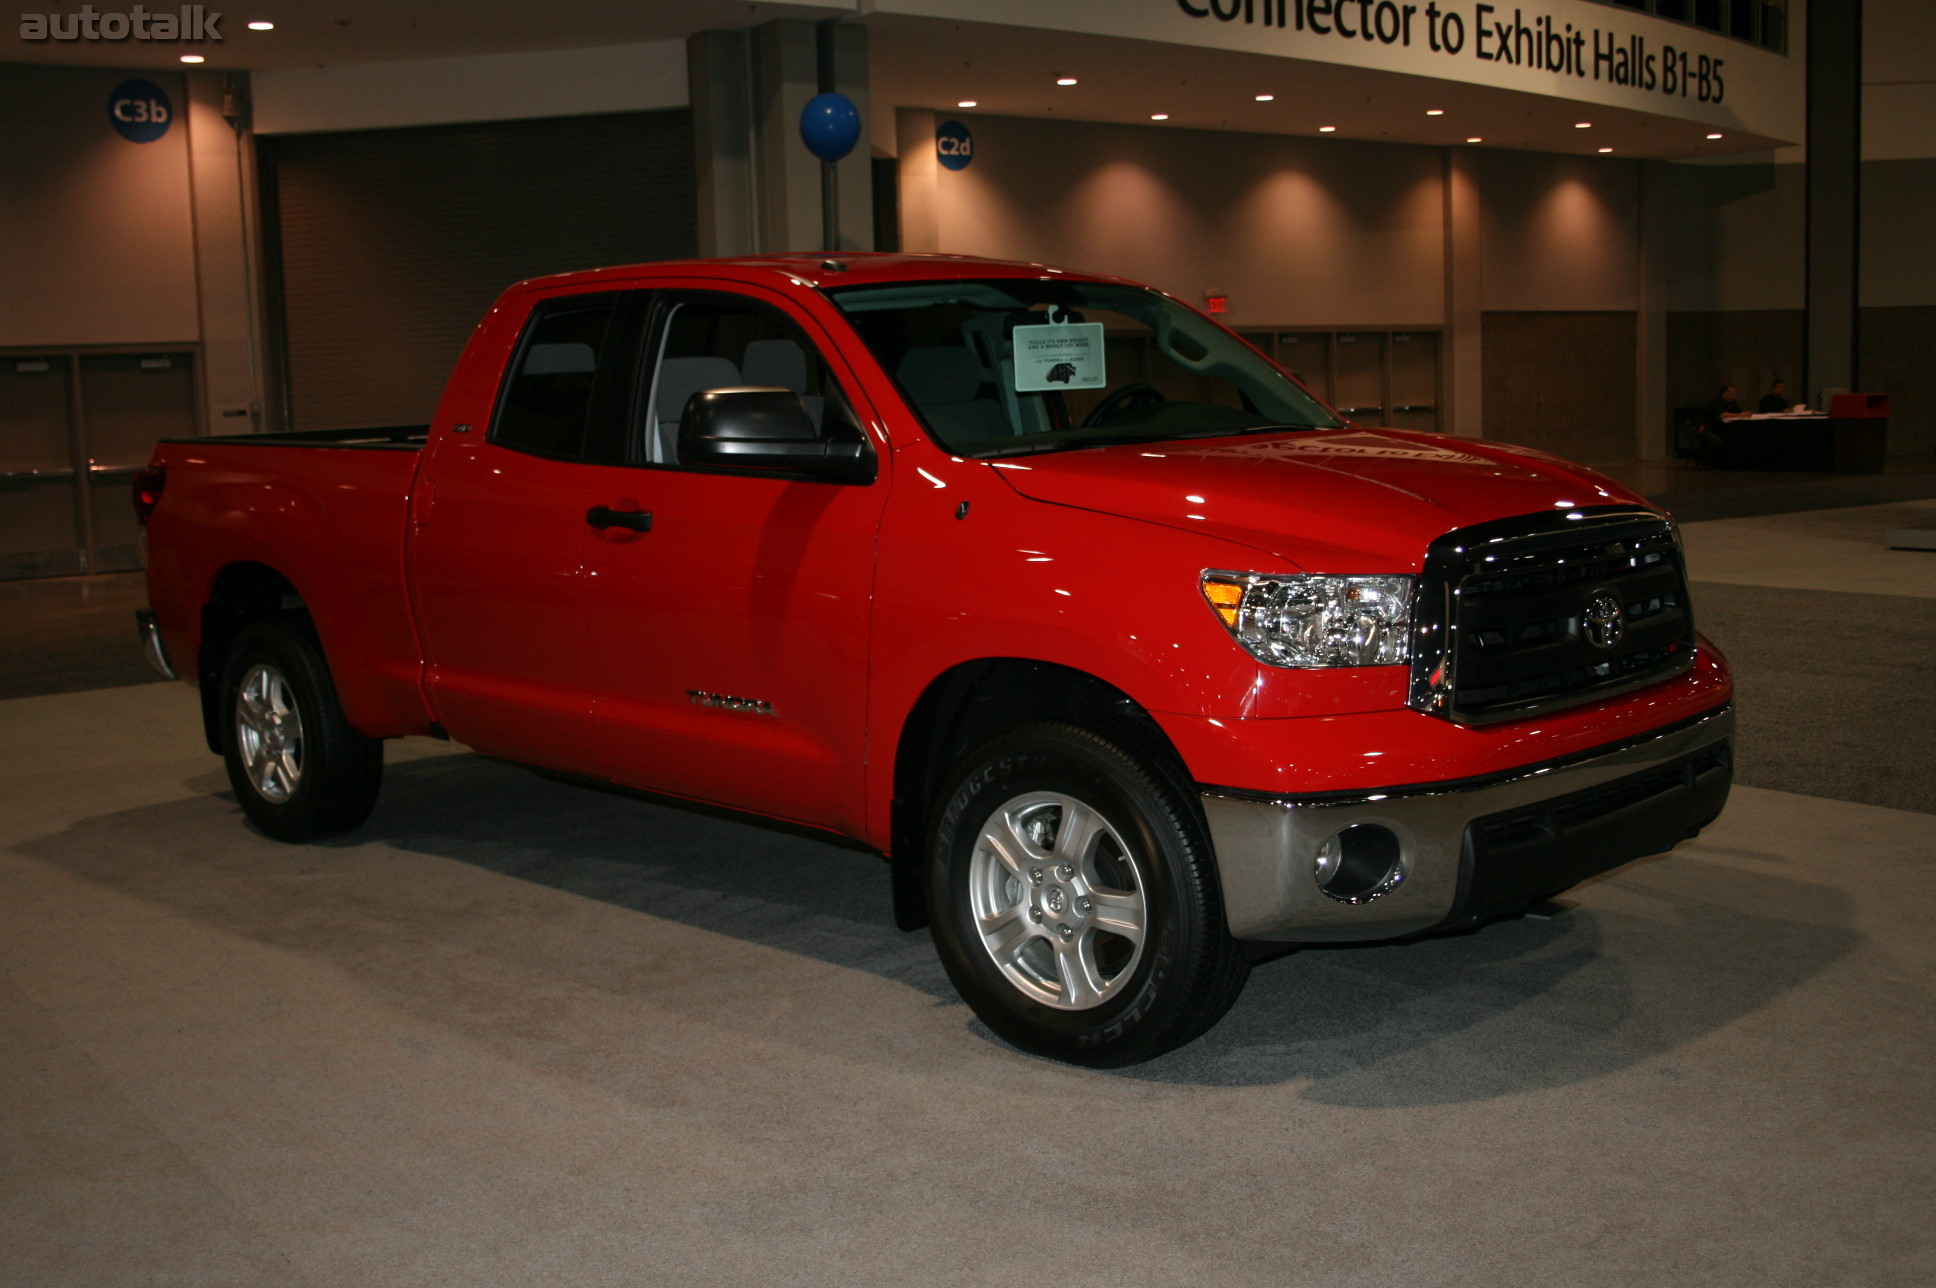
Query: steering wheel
point(1136, 396)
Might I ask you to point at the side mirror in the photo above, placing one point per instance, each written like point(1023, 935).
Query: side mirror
point(759, 427)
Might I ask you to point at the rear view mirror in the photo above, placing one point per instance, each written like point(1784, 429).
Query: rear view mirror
point(761, 427)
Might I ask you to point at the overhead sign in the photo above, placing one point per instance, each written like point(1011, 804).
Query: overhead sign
point(954, 146)
point(1586, 53)
point(139, 111)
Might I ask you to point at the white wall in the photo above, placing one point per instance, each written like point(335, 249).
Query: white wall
point(1558, 233)
point(97, 242)
point(1297, 231)
point(489, 87)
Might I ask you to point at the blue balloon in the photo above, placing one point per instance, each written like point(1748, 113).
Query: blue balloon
point(830, 126)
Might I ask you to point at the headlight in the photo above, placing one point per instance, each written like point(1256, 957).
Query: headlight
point(1311, 620)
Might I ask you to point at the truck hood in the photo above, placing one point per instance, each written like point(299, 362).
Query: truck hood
point(1350, 500)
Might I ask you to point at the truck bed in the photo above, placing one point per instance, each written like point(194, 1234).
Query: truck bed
point(408, 438)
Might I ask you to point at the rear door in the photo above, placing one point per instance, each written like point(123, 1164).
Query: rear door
point(500, 542)
point(730, 640)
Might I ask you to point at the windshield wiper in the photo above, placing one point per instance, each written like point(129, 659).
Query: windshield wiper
point(1130, 440)
point(1065, 445)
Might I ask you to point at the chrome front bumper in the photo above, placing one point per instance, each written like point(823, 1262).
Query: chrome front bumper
point(151, 646)
point(1267, 847)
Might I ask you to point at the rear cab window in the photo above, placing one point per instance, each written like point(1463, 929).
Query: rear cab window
point(559, 385)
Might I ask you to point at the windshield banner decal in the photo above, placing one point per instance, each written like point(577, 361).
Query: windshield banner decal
point(1059, 355)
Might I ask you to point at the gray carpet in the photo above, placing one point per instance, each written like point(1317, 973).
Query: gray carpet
point(1833, 691)
point(66, 634)
point(517, 1033)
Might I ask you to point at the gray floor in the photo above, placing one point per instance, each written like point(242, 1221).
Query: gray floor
point(63, 634)
point(514, 1032)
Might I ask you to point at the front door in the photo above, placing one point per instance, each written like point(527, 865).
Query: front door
point(730, 640)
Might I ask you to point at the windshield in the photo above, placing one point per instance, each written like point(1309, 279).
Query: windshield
point(1008, 367)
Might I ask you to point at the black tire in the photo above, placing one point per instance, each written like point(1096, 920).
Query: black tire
point(1064, 984)
point(299, 771)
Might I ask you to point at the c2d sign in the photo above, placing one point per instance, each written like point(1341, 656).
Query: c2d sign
point(954, 145)
point(139, 111)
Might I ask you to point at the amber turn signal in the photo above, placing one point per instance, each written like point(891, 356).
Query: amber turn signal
point(1226, 597)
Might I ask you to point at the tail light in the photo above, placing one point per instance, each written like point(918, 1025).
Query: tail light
point(148, 482)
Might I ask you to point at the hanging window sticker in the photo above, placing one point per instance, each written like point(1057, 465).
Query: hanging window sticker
point(1059, 355)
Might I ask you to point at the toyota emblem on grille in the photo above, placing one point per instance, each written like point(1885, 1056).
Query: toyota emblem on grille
point(1605, 621)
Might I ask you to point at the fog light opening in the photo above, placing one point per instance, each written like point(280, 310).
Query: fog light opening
point(1360, 863)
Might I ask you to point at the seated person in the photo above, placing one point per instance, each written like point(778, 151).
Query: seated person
point(1725, 405)
point(1776, 399)
point(1709, 445)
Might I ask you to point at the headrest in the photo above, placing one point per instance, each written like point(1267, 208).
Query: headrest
point(559, 360)
point(940, 375)
point(776, 362)
point(681, 378)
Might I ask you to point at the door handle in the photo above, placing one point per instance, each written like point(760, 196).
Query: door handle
point(603, 516)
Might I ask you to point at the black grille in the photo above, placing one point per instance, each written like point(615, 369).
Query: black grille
point(1534, 614)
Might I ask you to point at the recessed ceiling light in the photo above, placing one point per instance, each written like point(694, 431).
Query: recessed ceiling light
point(193, 58)
point(1606, 149)
point(966, 102)
point(1435, 111)
point(262, 26)
point(1265, 98)
point(1475, 139)
point(1159, 116)
point(1327, 129)
point(1065, 80)
point(1714, 136)
point(1582, 125)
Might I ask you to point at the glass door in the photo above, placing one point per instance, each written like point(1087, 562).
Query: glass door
point(74, 428)
point(1415, 380)
point(40, 514)
point(1360, 365)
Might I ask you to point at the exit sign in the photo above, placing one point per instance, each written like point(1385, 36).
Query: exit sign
point(1216, 302)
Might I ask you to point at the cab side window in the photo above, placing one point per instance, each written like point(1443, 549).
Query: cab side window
point(546, 407)
point(711, 341)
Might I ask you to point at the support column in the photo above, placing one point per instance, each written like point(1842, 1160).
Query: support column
point(1652, 432)
point(719, 70)
point(1834, 195)
point(786, 61)
point(1462, 409)
point(221, 182)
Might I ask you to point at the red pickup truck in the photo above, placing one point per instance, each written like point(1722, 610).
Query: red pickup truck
point(1135, 661)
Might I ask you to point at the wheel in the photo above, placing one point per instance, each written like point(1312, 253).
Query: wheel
point(1074, 901)
point(298, 769)
point(1134, 397)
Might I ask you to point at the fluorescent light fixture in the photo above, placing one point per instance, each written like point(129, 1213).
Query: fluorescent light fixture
point(1265, 98)
point(1435, 111)
point(1582, 125)
point(1606, 149)
point(1065, 80)
point(966, 102)
point(1475, 139)
point(193, 58)
point(1159, 116)
point(262, 26)
point(1714, 136)
point(1327, 129)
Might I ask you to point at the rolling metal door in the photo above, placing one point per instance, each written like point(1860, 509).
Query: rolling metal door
point(388, 245)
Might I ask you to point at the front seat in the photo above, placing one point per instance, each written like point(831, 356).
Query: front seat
point(943, 381)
